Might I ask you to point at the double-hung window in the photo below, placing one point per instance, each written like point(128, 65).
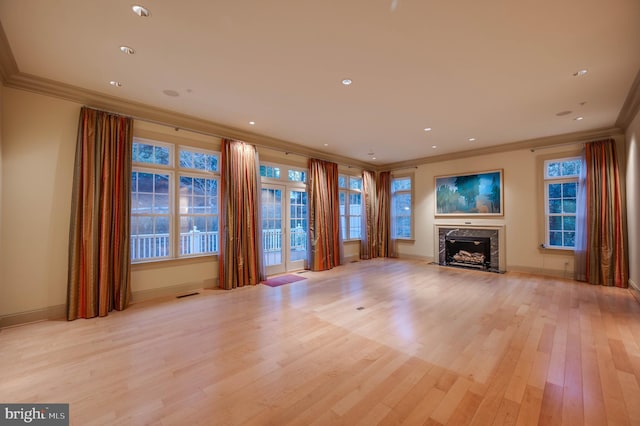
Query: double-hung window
point(560, 193)
point(350, 198)
point(174, 201)
point(401, 207)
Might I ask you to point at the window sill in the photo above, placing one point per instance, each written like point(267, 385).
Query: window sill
point(556, 250)
point(165, 263)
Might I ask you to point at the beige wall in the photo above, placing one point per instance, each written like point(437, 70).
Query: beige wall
point(38, 138)
point(522, 210)
point(633, 199)
point(37, 148)
point(38, 143)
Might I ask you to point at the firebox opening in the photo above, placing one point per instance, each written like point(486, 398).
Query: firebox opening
point(468, 252)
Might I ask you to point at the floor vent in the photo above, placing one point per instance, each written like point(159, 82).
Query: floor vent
point(187, 295)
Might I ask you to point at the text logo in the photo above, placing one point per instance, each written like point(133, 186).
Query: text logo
point(34, 414)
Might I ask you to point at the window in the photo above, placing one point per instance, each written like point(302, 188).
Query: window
point(283, 173)
point(297, 175)
point(350, 197)
point(269, 171)
point(560, 192)
point(166, 197)
point(401, 207)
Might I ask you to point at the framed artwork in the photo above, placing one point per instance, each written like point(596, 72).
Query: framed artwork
point(473, 194)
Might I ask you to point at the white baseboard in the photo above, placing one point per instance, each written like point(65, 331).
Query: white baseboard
point(555, 273)
point(57, 312)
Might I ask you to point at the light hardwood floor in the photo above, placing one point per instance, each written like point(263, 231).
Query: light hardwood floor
point(432, 345)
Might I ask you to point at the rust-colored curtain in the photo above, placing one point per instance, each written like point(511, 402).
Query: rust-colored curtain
point(605, 257)
point(369, 237)
point(240, 256)
point(383, 226)
point(324, 216)
point(99, 272)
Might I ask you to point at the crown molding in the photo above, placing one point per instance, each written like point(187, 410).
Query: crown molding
point(174, 119)
point(8, 65)
point(531, 144)
point(631, 105)
point(12, 77)
point(169, 118)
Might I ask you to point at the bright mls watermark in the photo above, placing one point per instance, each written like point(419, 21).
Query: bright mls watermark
point(34, 414)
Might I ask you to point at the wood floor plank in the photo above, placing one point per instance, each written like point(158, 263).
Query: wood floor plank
point(507, 413)
point(433, 346)
point(530, 407)
point(551, 408)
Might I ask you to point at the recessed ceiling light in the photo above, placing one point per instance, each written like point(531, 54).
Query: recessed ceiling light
point(127, 50)
point(580, 73)
point(373, 158)
point(326, 144)
point(427, 129)
point(252, 123)
point(140, 11)
point(579, 118)
point(472, 139)
point(172, 93)
point(347, 81)
point(434, 146)
point(115, 83)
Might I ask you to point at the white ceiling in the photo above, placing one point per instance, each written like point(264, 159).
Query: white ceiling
point(496, 70)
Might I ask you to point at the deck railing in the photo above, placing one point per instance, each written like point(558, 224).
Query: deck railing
point(149, 246)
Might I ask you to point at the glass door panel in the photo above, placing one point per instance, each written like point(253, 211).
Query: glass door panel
point(297, 229)
point(272, 232)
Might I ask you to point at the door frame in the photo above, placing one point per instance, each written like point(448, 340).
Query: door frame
point(278, 268)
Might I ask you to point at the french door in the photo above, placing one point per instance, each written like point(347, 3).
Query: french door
point(284, 228)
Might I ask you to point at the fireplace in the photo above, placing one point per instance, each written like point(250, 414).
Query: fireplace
point(468, 252)
point(476, 247)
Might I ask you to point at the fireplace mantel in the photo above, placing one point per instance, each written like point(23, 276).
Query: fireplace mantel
point(495, 232)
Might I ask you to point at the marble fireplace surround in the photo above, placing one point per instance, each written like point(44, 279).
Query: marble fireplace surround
point(495, 233)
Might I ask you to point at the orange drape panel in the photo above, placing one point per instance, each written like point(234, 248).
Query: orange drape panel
point(240, 259)
point(324, 216)
point(369, 238)
point(606, 257)
point(99, 266)
point(383, 227)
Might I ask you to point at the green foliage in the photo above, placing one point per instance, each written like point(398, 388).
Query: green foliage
point(469, 188)
point(447, 199)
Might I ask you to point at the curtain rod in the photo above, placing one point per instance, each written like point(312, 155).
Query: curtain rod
point(557, 145)
point(570, 143)
point(177, 128)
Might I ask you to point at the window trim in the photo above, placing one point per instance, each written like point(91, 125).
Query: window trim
point(284, 175)
point(347, 190)
point(547, 215)
point(174, 170)
point(171, 210)
point(541, 208)
point(411, 192)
